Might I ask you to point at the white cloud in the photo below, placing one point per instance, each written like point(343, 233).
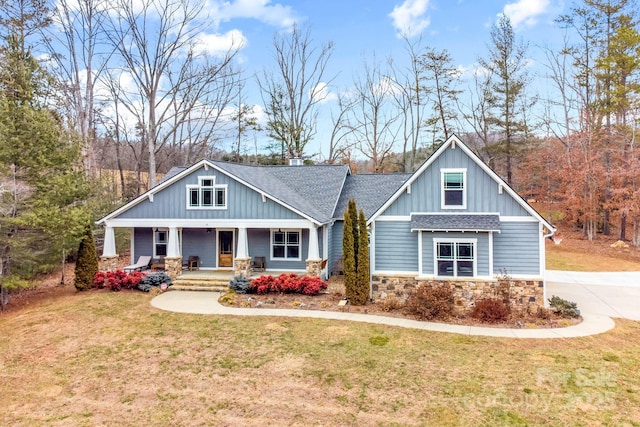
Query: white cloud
point(409, 18)
point(526, 12)
point(261, 10)
point(220, 44)
point(322, 94)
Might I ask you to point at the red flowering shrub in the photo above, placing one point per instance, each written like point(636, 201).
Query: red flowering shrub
point(311, 285)
point(116, 280)
point(289, 283)
point(99, 280)
point(262, 285)
point(132, 279)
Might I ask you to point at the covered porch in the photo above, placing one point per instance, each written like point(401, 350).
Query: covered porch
point(222, 249)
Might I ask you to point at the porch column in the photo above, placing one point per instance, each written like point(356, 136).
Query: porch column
point(109, 258)
point(173, 260)
point(109, 242)
point(313, 254)
point(242, 261)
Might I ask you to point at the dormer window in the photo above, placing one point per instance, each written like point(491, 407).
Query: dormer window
point(454, 188)
point(207, 195)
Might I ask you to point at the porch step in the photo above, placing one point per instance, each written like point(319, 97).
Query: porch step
point(200, 284)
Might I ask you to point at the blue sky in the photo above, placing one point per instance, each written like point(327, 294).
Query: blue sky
point(360, 28)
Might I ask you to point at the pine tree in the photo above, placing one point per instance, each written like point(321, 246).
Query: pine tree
point(361, 290)
point(348, 253)
point(87, 263)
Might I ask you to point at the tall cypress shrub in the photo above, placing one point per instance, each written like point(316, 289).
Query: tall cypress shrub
point(87, 263)
point(353, 213)
point(348, 254)
point(362, 276)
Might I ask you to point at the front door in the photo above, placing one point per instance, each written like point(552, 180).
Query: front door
point(225, 248)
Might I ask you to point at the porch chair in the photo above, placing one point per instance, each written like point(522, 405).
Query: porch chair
point(194, 262)
point(259, 263)
point(141, 264)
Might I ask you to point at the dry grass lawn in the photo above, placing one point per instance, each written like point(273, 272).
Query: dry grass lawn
point(100, 358)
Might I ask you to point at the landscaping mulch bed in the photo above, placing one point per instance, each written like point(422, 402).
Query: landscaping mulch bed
point(330, 301)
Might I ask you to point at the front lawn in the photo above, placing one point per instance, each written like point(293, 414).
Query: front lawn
point(103, 358)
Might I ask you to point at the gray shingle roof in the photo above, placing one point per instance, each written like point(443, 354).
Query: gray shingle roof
point(312, 190)
point(446, 222)
point(370, 191)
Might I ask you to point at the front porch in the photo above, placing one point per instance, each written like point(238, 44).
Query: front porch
point(221, 250)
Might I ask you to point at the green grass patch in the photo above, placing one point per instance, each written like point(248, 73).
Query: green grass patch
point(96, 357)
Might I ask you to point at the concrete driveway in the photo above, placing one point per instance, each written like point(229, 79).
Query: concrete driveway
point(614, 294)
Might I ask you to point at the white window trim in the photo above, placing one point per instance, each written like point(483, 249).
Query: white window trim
point(455, 272)
point(464, 188)
point(284, 230)
point(200, 187)
point(155, 243)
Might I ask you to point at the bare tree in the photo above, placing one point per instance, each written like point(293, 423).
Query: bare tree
point(411, 96)
point(79, 54)
point(373, 120)
point(175, 78)
point(339, 143)
point(292, 93)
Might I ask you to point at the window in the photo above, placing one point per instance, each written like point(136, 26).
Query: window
point(206, 195)
point(454, 192)
point(160, 243)
point(285, 244)
point(455, 258)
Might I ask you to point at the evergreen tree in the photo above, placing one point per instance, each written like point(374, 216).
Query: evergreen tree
point(349, 240)
point(361, 291)
point(42, 195)
point(87, 263)
point(353, 213)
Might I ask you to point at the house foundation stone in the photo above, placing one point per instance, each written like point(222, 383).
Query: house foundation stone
point(108, 263)
point(242, 267)
point(522, 295)
point(173, 266)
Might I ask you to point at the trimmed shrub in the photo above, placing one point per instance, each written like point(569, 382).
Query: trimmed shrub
point(490, 310)
point(391, 303)
point(349, 241)
point(287, 283)
point(564, 308)
point(361, 291)
point(431, 302)
point(239, 284)
point(154, 280)
point(87, 262)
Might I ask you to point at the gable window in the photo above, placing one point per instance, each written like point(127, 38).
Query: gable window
point(455, 258)
point(207, 195)
point(285, 245)
point(454, 189)
point(160, 240)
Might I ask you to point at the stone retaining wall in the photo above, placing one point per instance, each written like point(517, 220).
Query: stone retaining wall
point(526, 295)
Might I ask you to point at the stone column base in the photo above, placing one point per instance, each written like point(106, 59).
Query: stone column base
point(108, 263)
point(173, 266)
point(242, 267)
point(314, 267)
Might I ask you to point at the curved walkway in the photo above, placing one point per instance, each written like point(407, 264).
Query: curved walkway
point(207, 303)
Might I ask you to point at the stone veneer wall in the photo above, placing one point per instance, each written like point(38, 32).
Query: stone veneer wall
point(108, 263)
point(314, 267)
point(173, 266)
point(242, 267)
point(524, 294)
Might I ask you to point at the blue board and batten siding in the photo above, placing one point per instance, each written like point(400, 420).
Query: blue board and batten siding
point(396, 247)
point(242, 202)
point(516, 249)
point(482, 191)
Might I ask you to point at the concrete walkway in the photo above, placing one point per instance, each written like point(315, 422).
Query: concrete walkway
point(207, 303)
